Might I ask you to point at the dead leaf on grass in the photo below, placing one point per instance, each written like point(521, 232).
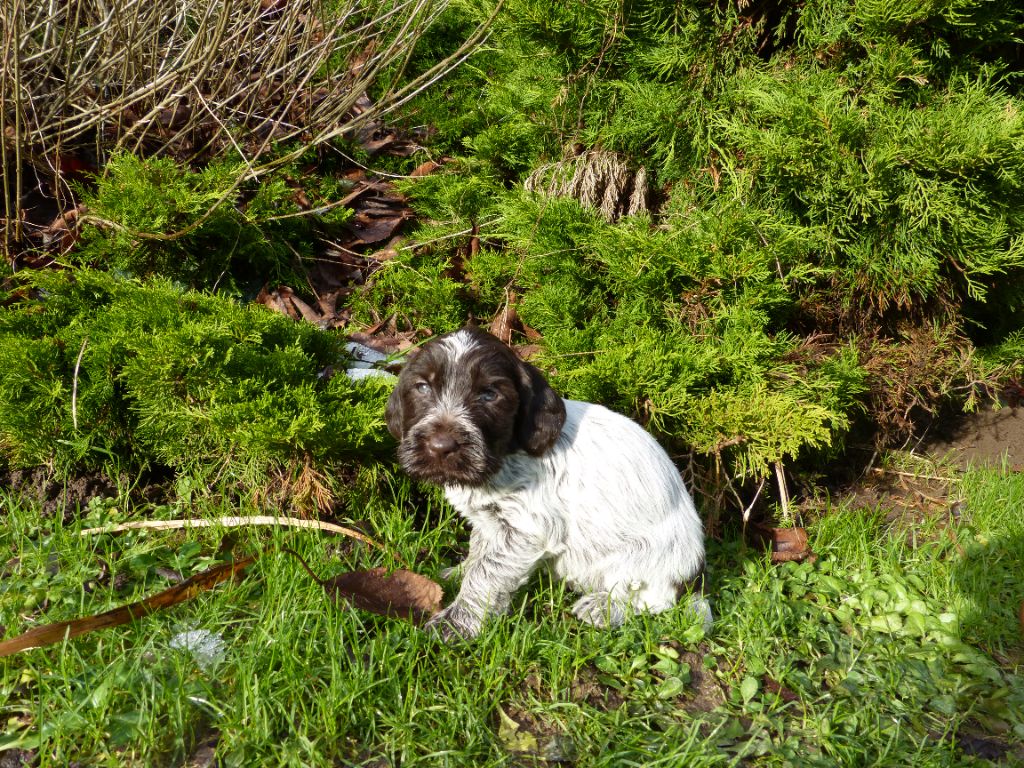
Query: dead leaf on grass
point(424, 169)
point(400, 594)
point(787, 544)
point(55, 633)
point(285, 301)
point(540, 746)
point(514, 737)
point(774, 686)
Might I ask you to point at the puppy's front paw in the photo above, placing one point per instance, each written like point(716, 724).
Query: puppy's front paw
point(599, 609)
point(455, 622)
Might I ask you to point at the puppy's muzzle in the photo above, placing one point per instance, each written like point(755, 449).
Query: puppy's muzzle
point(442, 452)
point(440, 446)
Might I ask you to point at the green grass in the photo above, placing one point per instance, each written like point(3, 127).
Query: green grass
point(889, 650)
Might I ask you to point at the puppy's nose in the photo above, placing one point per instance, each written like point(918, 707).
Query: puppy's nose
point(441, 445)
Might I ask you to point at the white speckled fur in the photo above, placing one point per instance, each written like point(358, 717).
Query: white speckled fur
point(543, 481)
point(605, 508)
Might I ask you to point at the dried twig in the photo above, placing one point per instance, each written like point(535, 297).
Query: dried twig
point(74, 386)
point(233, 522)
point(783, 492)
point(195, 80)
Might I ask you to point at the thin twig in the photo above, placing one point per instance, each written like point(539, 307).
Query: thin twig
point(225, 71)
point(74, 385)
point(234, 522)
point(747, 510)
point(783, 492)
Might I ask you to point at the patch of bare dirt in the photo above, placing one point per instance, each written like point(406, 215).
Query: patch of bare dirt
point(986, 438)
point(587, 688)
point(17, 758)
point(704, 693)
point(916, 491)
point(912, 500)
point(54, 496)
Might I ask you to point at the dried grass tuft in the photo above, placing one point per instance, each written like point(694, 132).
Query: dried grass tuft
point(600, 180)
point(193, 79)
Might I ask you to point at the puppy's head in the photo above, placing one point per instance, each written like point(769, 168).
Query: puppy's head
point(463, 403)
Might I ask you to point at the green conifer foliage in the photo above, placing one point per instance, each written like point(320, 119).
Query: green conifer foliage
point(150, 216)
point(837, 218)
point(174, 378)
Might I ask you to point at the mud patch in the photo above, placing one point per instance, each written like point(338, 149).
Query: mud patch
point(66, 497)
point(587, 688)
point(530, 739)
point(704, 693)
point(985, 438)
point(17, 758)
point(54, 496)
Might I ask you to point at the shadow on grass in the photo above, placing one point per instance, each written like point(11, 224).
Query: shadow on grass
point(990, 577)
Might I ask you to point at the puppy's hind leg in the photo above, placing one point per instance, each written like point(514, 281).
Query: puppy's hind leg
point(610, 609)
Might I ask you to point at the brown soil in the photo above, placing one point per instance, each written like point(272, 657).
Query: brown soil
point(38, 486)
point(985, 438)
point(923, 491)
point(704, 692)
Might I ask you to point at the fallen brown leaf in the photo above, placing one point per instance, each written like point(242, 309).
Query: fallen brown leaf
point(272, 300)
point(424, 169)
point(285, 301)
point(774, 686)
point(55, 633)
point(787, 544)
point(64, 230)
point(387, 341)
point(527, 351)
point(506, 321)
point(369, 229)
point(400, 594)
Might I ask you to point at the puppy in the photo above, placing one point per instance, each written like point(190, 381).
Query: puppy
point(543, 480)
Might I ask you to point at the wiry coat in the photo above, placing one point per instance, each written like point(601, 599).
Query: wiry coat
point(543, 480)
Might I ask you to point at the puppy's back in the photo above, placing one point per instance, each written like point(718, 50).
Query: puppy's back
point(628, 513)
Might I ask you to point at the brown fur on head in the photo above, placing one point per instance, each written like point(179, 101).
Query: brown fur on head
point(464, 402)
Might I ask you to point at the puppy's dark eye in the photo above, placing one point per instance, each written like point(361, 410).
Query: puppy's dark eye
point(422, 387)
point(488, 396)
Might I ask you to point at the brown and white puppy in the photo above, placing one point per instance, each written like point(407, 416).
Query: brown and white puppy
point(542, 480)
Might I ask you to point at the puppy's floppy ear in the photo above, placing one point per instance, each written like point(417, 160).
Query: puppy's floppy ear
point(393, 413)
point(541, 412)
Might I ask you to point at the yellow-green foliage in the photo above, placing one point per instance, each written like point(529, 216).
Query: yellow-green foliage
point(826, 177)
point(173, 378)
point(151, 216)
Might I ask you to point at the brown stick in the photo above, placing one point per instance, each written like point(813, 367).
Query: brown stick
point(55, 633)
